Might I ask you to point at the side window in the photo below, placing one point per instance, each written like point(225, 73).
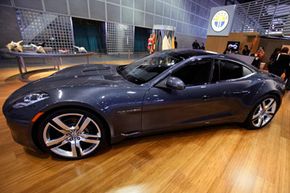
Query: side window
point(195, 73)
point(232, 70)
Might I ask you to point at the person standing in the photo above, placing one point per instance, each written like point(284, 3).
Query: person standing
point(246, 51)
point(272, 59)
point(274, 55)
point(151, 43)
point(202, 46)
point(281, 67)
point(259, 57)
point(195, 45)
point(260, 53)
point(175, 43)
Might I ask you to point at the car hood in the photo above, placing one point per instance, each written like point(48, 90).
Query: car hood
point(87, 70)
point(78, 76)
point(83, 75)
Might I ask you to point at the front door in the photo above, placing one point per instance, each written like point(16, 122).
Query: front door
point(169, 108)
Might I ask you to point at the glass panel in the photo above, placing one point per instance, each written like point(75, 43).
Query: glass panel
point(196, 73)
point(232, 70)
point(50, 29)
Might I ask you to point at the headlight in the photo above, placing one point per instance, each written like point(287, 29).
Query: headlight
point(30, 99)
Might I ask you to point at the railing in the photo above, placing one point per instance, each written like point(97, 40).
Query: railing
point(268, 17)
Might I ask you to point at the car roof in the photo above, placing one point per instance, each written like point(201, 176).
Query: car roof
point(189, 52)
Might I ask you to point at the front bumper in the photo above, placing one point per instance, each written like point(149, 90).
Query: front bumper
point(22, 133)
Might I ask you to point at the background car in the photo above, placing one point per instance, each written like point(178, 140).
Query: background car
point(79, 110)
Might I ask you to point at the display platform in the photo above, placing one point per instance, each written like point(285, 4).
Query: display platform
point(57, 57)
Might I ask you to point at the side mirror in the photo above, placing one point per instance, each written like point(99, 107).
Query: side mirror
point(175, 83)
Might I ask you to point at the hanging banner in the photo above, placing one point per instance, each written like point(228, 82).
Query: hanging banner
point(221, 20)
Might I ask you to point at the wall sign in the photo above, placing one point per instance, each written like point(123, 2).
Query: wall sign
point(220, 21)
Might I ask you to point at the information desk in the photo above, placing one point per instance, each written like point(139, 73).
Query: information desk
point(56, 56)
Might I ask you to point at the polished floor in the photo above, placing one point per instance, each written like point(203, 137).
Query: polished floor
point(215, 159)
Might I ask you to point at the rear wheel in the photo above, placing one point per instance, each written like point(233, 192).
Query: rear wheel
point(72, 134)
point(263, 112)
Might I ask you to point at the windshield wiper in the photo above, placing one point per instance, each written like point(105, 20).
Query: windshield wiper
point(120, 68)
point(133, 79)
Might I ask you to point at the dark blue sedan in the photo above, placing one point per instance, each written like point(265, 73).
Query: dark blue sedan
point(79, 110)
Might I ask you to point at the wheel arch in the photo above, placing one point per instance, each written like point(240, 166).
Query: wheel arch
point(274, 93)
point(68, 106)
point(258, 99)
point(270, 93)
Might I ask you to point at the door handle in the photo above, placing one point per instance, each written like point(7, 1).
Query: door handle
point(205, 97)
point(244, 92)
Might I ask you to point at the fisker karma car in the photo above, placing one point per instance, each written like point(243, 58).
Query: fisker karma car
point(80, 110)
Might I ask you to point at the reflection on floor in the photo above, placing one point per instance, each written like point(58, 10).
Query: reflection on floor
point(214, 159)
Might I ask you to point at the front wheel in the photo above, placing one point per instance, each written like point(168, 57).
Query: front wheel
point(71, 134)
point(263, 112)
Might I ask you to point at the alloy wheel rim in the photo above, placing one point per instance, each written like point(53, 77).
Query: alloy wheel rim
point(72, 135)
point(264, 112)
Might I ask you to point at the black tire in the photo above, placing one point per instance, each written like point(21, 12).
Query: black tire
point(252, 124)
point(82, 135)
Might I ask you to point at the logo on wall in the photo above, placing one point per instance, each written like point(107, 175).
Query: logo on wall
point(220, 21)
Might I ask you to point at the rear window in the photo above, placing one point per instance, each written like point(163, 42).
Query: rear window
point(232, 70)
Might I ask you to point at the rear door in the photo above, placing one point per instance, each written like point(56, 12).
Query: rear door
point(232, 83)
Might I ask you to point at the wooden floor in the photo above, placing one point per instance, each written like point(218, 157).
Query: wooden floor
point(215, 159)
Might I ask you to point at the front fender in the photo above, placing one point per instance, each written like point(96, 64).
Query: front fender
point(77, 104)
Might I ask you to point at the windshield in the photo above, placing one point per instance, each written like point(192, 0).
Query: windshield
point(143, 70)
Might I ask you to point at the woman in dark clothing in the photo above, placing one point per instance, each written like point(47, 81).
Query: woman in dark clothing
point(273, 58)
point(202, 46)
point(195, 45)
point(274, 55)
point(281, 64)
point(246, 51)
point(175, 43)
